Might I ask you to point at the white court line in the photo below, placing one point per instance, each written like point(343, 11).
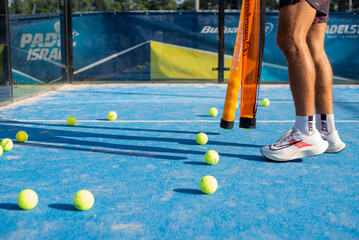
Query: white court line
point(160, 121)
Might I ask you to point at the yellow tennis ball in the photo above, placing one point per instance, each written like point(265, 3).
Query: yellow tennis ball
point(208, 184)
point(21, 136)
point(71, 121)
point(6, 144)
point(201, 138)
point(84, 200)
point(213, 112)
point(112, 116)
point(265, 102)
point(1, 151)
point(27, 199)
point(211, 157)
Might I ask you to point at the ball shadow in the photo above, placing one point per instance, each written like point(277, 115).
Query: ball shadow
point(188, 191)
point(64, 207)
point(10, 206)
point(196, 163)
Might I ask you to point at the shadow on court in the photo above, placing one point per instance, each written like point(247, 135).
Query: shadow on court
point(10, 206)
point(69, 133)
point(54, 139)
point(63, 207)
point(108, 128)
point(188, 191)
point(196, 163)
point(255, 158)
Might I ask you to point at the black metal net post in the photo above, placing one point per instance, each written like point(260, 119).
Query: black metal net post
point(221, 41)
point(5, 55)
point(67, 58)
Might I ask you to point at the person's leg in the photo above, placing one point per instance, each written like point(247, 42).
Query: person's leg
point(323, 69)
point(303, 140)
point(323, 88)
point(293, 26)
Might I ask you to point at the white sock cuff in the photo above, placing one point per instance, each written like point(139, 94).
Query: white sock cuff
point(305, 124)
point(325, 123)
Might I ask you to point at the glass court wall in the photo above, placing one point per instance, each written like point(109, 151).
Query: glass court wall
point(5, 63)
point(46, 43)
point(31, 60)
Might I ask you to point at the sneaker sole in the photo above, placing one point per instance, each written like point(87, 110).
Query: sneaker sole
point(299, 153)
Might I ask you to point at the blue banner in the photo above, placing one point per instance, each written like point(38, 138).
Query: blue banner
point(140, 46)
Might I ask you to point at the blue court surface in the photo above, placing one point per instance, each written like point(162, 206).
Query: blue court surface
point(144, 168)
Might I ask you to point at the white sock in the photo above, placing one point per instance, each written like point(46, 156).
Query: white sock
point(325, 123)
point(305, 124)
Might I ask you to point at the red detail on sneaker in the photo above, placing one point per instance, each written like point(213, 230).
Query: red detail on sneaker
point(299, 144)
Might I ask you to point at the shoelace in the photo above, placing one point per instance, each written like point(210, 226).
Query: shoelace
point(285, 136)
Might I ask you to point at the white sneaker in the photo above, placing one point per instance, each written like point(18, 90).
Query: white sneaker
point(335, 144)
point(293, 144)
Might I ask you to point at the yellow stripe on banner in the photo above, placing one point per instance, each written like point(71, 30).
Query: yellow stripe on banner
point(177, 62)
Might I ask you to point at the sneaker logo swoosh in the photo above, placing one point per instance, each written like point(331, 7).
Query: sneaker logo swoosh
point(290, 143)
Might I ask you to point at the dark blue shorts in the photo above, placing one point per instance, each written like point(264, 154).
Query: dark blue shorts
point(322, 7)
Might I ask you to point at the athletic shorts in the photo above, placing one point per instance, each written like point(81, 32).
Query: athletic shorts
point(322, 7)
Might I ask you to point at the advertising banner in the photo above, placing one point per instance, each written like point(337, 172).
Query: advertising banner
point(173, 45)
